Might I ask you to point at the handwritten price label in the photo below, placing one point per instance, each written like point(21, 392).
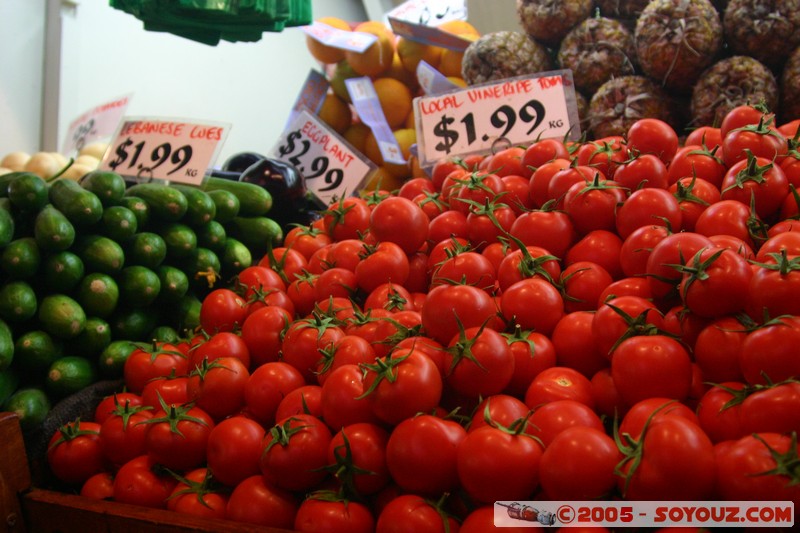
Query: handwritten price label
point(165, 149)
point(417, 20)
point(515, 110)
point(355, 41)
point(97, 123)
point(331, 167)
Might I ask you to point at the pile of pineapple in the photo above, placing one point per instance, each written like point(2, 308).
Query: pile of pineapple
point(687, 62)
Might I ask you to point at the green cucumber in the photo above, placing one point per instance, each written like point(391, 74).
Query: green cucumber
point(98, 294)
point(164, 202)
point(62, 271)
point(119, 223)
point(211, 236)
point(6, 346)
point(235, 257)
point(80, 206)
point(201, 209)
point(254, 200)
point(108, 186)
point(146, 249)
point(21, 258)
point(18, 301)
point(7, 227)
point(35, 351)
point(100, 254)
point(174, 283)
point(28, 193)
point(227, 205)
point(61, 316)
point(139, 208)
point(52, 230)
point(179, 238)
point(31, 405)
point(138, 286)
point(257, 233)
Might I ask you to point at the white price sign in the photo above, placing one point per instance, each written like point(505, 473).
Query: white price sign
point(513, 111)
point(97, 123)
point(165, 149)
point(417, 20)
point(331, 167)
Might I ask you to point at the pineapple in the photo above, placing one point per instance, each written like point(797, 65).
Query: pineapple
point(622, 9)
point(767, 30)
point(676, 40)
point(728, 83)
point(548, 21)
point(620, 102)
point(596, 50)
point(503, 54)
point(790, 88)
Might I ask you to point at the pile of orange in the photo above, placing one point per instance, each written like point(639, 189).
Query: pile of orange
point(391, 62)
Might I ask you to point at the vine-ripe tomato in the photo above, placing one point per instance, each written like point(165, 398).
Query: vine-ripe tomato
point(302, 341)
point(760, 140)
point(178, 436)
point(349, 350)
point(642, 171)
point(141, 482)
point(254, 501)
point(542, 151)
point(347, 218)
point(651, 365)
point(449, 307)
point(334, 282)
point(601, 247)
point(748, 468)
point(398, 212)
point(775, 286)
point(109, 404)
point(479, 362)
point(256, 278)
point(769, 355)
point(744, 115)
point(359, 451)
point(306, 399)
point(707, 136)
point(475, 190)
point(582, 283)
point(541, 178)
point(578, 464)
point(593, 205)
point(574, 346)
point(562, 180)
point(416, 186)
point(470, 268)
point(306, 240)
point(173, 390)
point(646, 207)
point(551, 230)
point(448, 224)
point(550, 419)
point(262, 332)
point(195, 496)
point(715, 283)
point(645, 411)
point(637, 246)
point(717, 348)
point(144, 364)
point(294, 453)
point(498, 409)
point(517, 193)
point(533, 303)
point(99, 487)
point(773, 409)
point(694, 195)
point(623, 317)
point(389, 296)
point(421, 454)
point(482, 519)
point(268, 385)
point(603, 155)
point(75, 452)
point(559, 383)
point(122, 434)
point(498, 464)
point(222, 344)
point(652, 136)
point(488, 223)
point(218, 386)
point(344, 400)
point(525, 263)
point(719, 409)
point(693, 160)
point(673, 459)
point(508, 161)
point(383, 263)
point(411, 513)
point(234, 448)
point(533, 352)
point(758, 179)
point(338, 515)
point(674, 249)
point(222, 310)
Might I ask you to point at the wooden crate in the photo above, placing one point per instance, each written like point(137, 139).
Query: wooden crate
point(26, 508)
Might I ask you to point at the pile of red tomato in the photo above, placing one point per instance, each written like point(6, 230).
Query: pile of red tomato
point(562, 321)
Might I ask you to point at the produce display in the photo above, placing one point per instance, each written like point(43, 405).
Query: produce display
point(612, 318)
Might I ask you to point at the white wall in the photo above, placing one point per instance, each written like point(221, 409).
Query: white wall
point(105, 53)
point(21, 59)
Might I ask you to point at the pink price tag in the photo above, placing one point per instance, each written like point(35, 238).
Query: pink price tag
point(97, 123)
point(368, 107)
point(356, 41)
point(417, 20)
point(311, 96)
point(432, 81)
point(165, 149)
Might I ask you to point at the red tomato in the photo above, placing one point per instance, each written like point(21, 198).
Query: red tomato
point(232, 464)
point(559, 383)
point(410, 513)
point(479, 362)
point(719, 411)
point(334, 283)
point(267, 386)
point(498, 464)
point(624, 317)
point(541, 178)
point(339, 516)
point(349, 350)
point(637, 246)
point(562, 180)
point(707, 136)
point(475, 190)
point(593, 205)
point(773, 409)
point(695, 161)
point(416, 186)
point(448, 224)
point(294, 453)
point(603, 155)
point(648, 366)
point(652, 136)
point(517, 195)
point(551, 230)
point(384, 263)
point(550, 419)
point(499, 409)
point(607, 400)
point(533, 352)
point(644, 412)
point(574, 345)
point(398, 212)
point(744, 115)
point(674, 249)
point(775, 287)
point(534, 304)
point(178, 436)
point(509, 161)
point(143, 365)
point(193, 496)
point(582, 284)
point(359, 452)
point(486, 224)
point(139, 482)
point(543, 151)
point(694, 195)
point(218, 387)
point(449, 307)
point(306, 399)
point(482, 519)
point(262, 332)
point(347, 218)
point(715, 283)
point(760, 140)
point(302, 341)
point(390, 296)
point(578, 464)
point(258, 278)
point(306, 240)
point(122, 434)
point(344, 399)
point(108, 405)
point(99, 487)
point(717, 348)
point(768, 353)
point(470, 268)
point(172, 390)
point(646, 207)
point(673, 459)
point(222, 310)
point(222, 344)
point(254, 501)
point(643, 171)
point(75, 453)
point(421, 454)
point(601, 247)
point(756, 179)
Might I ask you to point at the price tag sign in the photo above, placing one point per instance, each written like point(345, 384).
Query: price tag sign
point(431, 80)
point(312, 94)
point(97, 123)
point(165, 149)
point(356, 41)
point(514, 111)
point(331, 167)
point(417, 20)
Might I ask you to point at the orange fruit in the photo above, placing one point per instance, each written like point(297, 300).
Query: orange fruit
point(412, 52)
point(336, 113)
point(395, 99)
point(459, 27)
point(324, 53)
point(356, 134)
point(405, 137)
point(382, 180)
point(411, 121)
point(343, 71)
point(398, 72)
point(376, 59)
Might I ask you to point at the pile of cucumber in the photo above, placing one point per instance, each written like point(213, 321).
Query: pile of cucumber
point(87, 266)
